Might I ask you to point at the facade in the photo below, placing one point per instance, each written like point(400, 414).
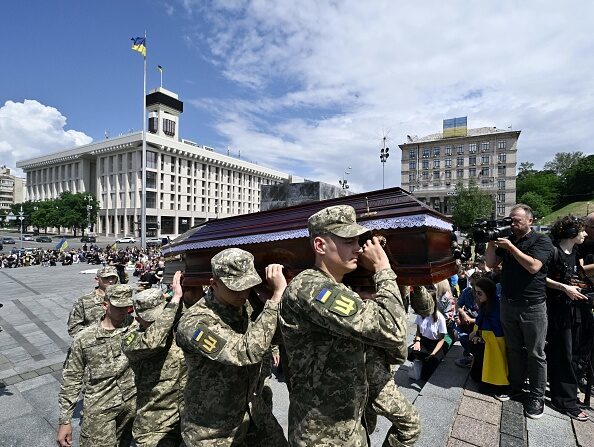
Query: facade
point(290, 194)
point(431, 166)
point(12, 189)
point(186, 184)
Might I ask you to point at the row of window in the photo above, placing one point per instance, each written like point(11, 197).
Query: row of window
point(56, 173)
point(472, 161)
point(449, 150)
point(484, 172)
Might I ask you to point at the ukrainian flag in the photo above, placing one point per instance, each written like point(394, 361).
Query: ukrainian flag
point(62, 245)
point(139, 44)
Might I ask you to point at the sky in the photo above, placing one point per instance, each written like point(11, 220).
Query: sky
point(308, 87)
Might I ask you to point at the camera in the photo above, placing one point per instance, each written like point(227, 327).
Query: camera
point(484, 230)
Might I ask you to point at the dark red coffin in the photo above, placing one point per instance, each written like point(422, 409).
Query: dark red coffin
point(418, 239)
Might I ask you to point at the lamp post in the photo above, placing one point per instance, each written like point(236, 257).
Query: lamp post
point(89, 198)
point(344, 183)
point(21, 218)
point(384, 154)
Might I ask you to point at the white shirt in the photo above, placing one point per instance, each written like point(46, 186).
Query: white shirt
point(429, 328)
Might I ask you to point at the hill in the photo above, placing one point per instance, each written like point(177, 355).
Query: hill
point(579, 209)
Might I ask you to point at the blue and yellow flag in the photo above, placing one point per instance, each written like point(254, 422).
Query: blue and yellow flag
point(139, 44)
point(62, 245)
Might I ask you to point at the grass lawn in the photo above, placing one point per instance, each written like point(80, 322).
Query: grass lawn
point(579, 209)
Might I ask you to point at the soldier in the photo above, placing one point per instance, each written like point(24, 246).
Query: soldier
point(109, 393)
point(326, 327)
point(88, 308)
point(224, 343)
point(159, 367)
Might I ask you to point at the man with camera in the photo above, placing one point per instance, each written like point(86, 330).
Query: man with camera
point(524, 257)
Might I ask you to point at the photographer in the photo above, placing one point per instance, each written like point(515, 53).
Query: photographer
point(524, 258)
point(569, 316)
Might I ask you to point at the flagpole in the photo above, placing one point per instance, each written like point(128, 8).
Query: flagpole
point(143, 198)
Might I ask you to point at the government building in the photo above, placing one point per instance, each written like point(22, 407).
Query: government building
point(186, 183)
point(431, 166)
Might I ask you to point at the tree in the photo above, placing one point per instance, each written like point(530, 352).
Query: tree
point(563, 162)
point(526, 166)
point(73, 210)
point(579, 181)
point(470, 204)
point(538, 204)
point(545, 184)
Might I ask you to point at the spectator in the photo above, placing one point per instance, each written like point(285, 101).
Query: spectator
point(524, 258)
point(569, 319)
point(466, 312)
point(466, 251)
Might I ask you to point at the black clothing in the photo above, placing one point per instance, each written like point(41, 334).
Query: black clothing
point(586, 251)
point(516, 282)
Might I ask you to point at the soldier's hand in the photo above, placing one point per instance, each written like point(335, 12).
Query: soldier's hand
point(374, 258)
point(64, 437)
point(176, 287)
point(276, 281)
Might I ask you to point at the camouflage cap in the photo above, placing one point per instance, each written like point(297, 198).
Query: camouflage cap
point(148, 304)
point(108, 271)
point(235, 267)
point(119, 295)
point(421, 301)
point(340, 220)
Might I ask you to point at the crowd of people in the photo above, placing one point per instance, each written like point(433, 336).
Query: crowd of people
point(189, 366)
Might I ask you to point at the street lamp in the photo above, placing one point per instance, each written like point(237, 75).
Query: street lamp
point(344, 183)
point(384, 154)
point(89, 198)
point(21, 218)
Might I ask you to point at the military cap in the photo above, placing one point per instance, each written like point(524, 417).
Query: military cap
point(421, 301)
point(235, 267)
point(119, 295)
point(148, 304)
point(108, 271)
point(340, 220)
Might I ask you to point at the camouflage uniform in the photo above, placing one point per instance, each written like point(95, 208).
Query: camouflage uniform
point(224, 347)
point(160, 371)
point(326, 327)
point(87, 309)
point(110, 403)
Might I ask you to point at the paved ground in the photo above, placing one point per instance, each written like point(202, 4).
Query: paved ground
point(34, 342)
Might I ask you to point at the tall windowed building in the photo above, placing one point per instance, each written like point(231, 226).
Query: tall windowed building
point(431, 166)
point(12, 189)
point(186, 183)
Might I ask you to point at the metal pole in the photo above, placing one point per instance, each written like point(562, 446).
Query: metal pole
point(143, 198)
point(21, 217)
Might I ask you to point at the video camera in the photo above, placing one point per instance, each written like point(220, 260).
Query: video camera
point(484, 230)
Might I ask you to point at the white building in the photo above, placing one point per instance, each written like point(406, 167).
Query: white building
point(12, 189)
point(186, 183)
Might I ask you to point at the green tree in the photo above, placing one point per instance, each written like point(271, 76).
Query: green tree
point(545, 184)
point(46, 215)
point(538, 204)
point(73, 210)
point(579, 181)
point(526, 166)
point(469, 204)
point(563, 162)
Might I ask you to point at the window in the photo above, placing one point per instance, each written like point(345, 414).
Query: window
point(151, 179)
point(412, 165)
point(436, 175)
point(501, 210)
point(501, 197)
point(448, 162)
point(425, 152)
point(472, 172)
point(501, 184)
point(412, 177)
point(485, 172)
point(151, 160)
point(501, 158)
point(472, 148)
point(485, 159)
point(412, 153)
point(485, 146)
point(459, 173)
point(501, 144)
point(472, 161)
point(436, 151)
point(501, 170)
point(129, 161)
point(111, 164)
point(425, 164)
point(460, 161)
point(448, 175)
point(448, 150)
point(436, 163)
point(151, 199)
point(460, 150)
point(168, 127)
point(425, 175)
point(120, 162)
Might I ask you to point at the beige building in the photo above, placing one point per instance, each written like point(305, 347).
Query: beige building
point(12, 189)
point(434, 164)
point(186, 183)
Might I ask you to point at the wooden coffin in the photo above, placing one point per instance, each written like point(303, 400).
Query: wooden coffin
point(417, 239)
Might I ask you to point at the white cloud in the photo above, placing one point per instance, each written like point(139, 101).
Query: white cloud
point(29, 129)
point(343, 71)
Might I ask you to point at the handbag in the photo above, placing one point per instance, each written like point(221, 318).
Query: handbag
point(414, 372)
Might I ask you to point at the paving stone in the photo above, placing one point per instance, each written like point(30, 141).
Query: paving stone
point(12, 407)
point(584, 432)
point(7, 373)
point(481, 410)
point(29, 375)
point(513, 406)
point(513, 424)
point(550, 431)
point(511, 441)
point(453, 442)
point(35, 382)
point(475, 432)
point(11, 380)
point(437, 431)
point(32, 430)
point(480, 396)
point(44, 370)
point(56, 366)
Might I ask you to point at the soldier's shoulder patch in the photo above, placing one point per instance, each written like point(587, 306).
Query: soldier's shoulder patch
point(130, 338)
point(207, 341)
point(339, 301)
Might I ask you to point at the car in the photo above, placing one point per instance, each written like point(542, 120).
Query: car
point(27, 237)
point(8, 240)
point(43, 239)
point(126, 240)
point(153, 242)
point(88, 239)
